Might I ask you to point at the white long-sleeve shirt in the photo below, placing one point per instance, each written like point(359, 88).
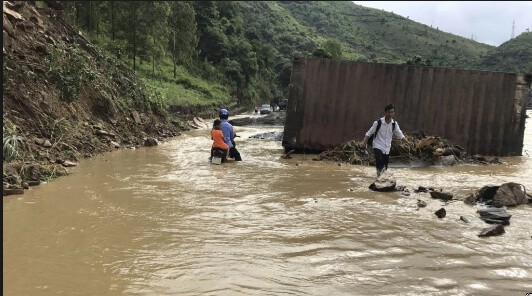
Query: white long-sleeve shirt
point(383, 139)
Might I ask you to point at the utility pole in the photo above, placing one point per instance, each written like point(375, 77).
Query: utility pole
point(513, 29)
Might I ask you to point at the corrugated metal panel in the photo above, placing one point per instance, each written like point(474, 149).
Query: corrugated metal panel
point(333, 101)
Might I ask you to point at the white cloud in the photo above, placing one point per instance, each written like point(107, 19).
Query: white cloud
point(488, 22)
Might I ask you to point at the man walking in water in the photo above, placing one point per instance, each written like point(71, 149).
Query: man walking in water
point(382, 132)
point(229, 135)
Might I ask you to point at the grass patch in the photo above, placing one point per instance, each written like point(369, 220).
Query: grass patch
point(185, 89)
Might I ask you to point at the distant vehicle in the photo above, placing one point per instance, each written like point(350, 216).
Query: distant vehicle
point(265, 109)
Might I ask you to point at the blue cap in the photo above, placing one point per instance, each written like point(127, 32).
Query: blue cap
point(224, 112)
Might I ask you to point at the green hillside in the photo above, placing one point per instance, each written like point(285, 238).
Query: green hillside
point(366, 34)
point(205, 54)
point(515, 55)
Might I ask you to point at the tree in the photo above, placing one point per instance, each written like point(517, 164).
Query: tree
point(321, 53)
point(182, 23)
point(334, 47)
point(156, 14)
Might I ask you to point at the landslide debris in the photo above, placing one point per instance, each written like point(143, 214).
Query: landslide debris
point(64, 100)
point(430, 150)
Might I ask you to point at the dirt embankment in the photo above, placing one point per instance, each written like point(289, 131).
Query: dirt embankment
point(64, 100)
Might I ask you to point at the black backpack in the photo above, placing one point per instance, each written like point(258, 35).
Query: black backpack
point(370, 139)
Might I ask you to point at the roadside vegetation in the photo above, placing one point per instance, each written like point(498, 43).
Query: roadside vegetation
point(239, 53)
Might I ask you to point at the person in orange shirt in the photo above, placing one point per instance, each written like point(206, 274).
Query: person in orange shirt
point(219, 147)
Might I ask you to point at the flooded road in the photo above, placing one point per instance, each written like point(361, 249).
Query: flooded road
point(164, 221)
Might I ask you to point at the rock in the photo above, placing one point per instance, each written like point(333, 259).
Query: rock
point(492, 231)
point(97, 126)
point(34, 183)
point(421, 204)
point(68, 163)
point(136, 117)
point(448, 160)
point(438, 152)
point(115, 144)
point(441, 213)
point(464, 219)
point(12, 191)
point(8, 28)
point(485, 194)
point(101, 132)
point(199, 122)
point(421, 189)
point(445, 196)
point(495, 216)
point(470, 199)
point(510, 195)
point(384, 183)
point(13, 15)
point(151, 142)
point(25, 185)
point(43, 142)
point(32, 172)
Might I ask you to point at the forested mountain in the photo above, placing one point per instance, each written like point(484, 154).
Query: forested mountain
point(247, 47)
point(213, 53)
point(515, 55)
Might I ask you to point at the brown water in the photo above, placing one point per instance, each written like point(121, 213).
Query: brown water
point(163, 221)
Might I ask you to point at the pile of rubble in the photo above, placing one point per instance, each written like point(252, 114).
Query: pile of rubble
point(421, 148)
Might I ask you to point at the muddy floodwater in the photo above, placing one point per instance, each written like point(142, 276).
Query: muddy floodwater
point(164, 221)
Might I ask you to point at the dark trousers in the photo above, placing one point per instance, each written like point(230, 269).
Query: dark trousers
point(233, 153)
point(381, 160)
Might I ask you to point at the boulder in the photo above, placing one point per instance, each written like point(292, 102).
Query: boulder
point(151, 142)
point(444, 196)
point(487, 193)
point(421, 204)
point(492, 231)
point(509, 195)
point(441, 213)
point(448, 160)
point(495, 216)
point(384, 183)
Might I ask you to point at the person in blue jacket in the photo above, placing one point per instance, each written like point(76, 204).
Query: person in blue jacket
point(229, 134)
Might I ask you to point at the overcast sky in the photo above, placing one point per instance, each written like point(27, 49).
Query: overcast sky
point(488, 22)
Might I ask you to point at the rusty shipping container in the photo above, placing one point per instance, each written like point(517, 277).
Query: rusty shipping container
point(333, 101)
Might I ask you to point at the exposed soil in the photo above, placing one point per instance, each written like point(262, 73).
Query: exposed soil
point(63, 100)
